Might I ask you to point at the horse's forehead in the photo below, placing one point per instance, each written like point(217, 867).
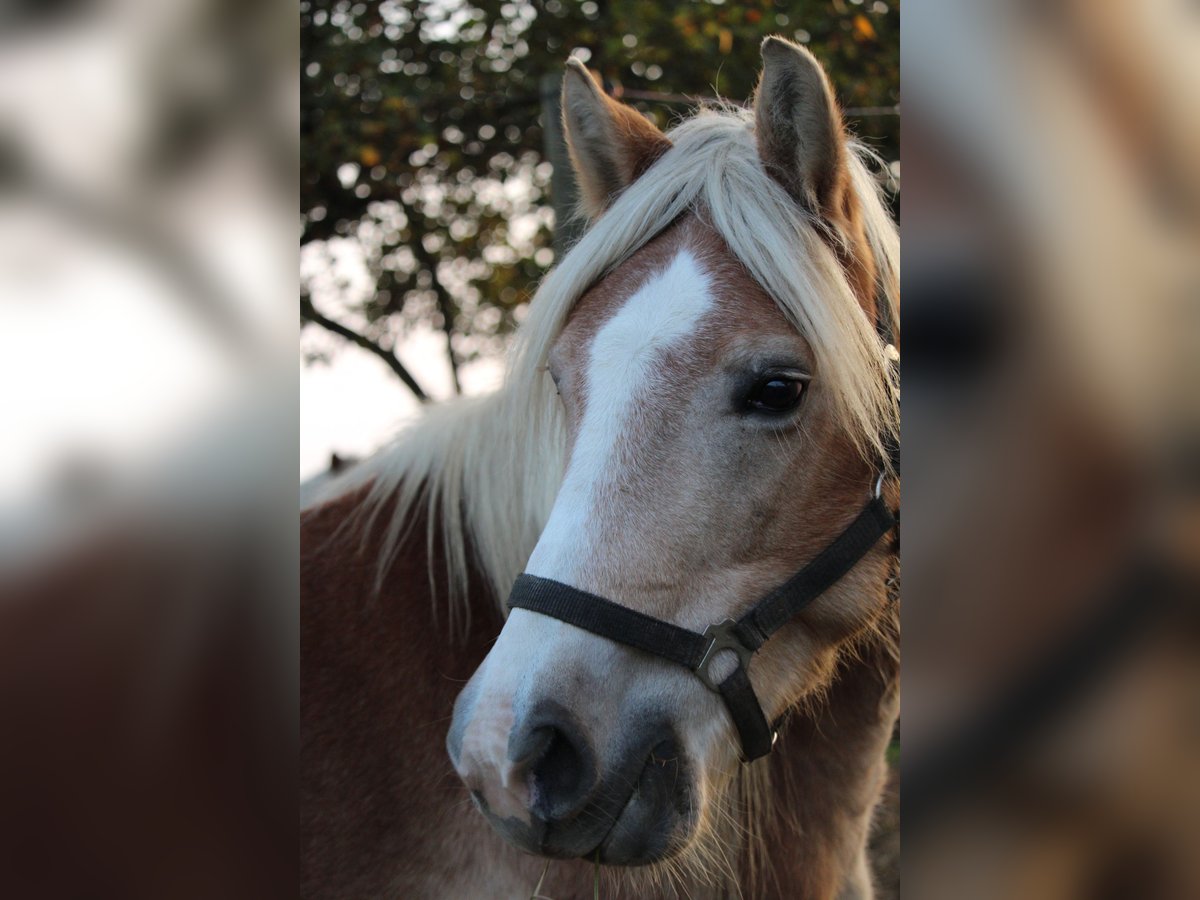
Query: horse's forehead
point(736, 299)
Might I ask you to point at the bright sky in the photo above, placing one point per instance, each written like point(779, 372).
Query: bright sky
point(355, 403)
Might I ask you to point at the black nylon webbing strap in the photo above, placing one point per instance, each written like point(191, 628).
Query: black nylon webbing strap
point(782, 604)
point(756, 734)
point(687, 648)
point(607, 619)
point(634, 629)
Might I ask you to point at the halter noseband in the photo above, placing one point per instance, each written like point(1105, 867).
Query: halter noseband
point(745, 636)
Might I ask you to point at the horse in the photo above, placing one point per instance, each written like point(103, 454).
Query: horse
point(695, 405)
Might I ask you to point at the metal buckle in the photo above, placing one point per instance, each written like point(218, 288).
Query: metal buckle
point(721, 637)
point(879, 486)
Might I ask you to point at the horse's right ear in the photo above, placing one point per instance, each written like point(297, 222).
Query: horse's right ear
point(611, 144)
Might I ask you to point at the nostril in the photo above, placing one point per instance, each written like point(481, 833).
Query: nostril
point(555, 759)
point(532, 745)
point(665, 753)
point(558, 776)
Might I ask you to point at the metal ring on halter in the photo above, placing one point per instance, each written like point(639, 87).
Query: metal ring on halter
point(879, 486)
point(722, 637)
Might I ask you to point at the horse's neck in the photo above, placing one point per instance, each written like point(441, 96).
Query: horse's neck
point(826, 777)
point(382, 812)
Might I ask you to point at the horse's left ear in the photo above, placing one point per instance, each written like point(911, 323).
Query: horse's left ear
point(799, 129)
point(611, 144)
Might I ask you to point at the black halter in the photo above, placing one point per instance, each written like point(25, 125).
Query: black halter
point(696, 651)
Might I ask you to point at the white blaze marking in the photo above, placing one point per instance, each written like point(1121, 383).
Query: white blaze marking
point(624, 352)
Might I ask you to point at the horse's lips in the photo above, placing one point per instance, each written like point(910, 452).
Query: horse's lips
point(599, 852)
point(641, 830)
point(557, 840)
point(645, 829)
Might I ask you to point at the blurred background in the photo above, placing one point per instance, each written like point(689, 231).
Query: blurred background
point(1051, 697)
point(148, 546)
point(434, 197)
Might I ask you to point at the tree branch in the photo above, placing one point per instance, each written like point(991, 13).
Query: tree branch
point(444, 301)
point(309, 313)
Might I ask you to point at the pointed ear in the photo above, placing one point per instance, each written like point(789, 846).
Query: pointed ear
point(611, 144)
point(799, 129)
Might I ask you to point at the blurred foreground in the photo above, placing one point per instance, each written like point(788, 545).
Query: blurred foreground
point(1051, 737)
point(148, 177)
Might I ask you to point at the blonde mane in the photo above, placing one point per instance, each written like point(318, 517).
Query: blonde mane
point(487, 469)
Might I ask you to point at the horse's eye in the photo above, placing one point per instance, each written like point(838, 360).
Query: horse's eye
point(775, 394)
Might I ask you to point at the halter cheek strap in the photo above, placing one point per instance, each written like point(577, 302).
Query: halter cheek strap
point(744, 637)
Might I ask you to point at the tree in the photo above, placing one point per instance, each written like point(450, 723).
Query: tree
point(422, 145)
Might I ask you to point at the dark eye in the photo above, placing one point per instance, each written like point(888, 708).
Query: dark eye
point(775, 394)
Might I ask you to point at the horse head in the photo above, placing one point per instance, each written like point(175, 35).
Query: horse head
point(722, 387)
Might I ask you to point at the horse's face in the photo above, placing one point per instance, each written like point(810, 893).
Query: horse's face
point(703, 469)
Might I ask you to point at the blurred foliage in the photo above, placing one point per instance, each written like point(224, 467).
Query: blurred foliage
point(421, 135)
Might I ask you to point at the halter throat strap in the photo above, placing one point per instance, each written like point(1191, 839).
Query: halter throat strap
point(696, 651)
